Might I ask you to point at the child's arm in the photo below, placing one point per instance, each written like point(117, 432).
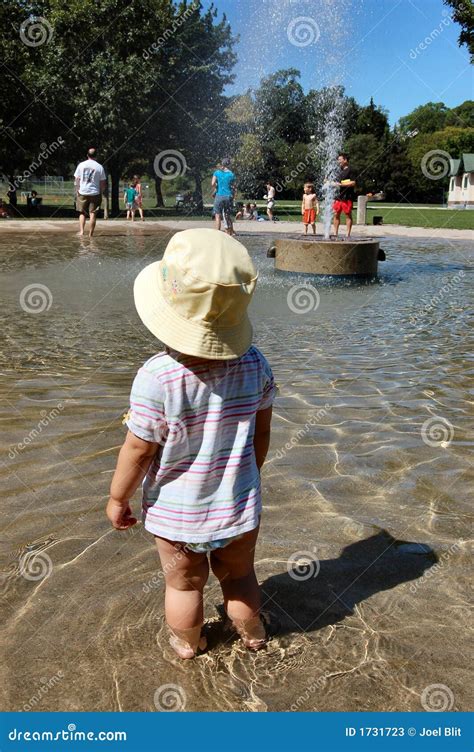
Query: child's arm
point(302, 205)
point(261, 439)
point(316, 204)
point(133, 462)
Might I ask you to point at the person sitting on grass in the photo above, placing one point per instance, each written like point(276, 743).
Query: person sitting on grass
point(244, 213)
point(129, 197)
point(309, 207)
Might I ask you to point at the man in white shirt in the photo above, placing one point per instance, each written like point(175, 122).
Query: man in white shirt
point(90, 183)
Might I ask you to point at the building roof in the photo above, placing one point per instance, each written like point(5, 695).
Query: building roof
point(468, 162)
point(464, 164)
point(454, 166)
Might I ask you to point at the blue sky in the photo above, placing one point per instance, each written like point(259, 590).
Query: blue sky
point(373, 47)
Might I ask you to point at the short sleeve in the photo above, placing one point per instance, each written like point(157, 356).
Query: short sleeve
point(102, 175)
point(146, 417)
point(270, 389)
point(77, 173)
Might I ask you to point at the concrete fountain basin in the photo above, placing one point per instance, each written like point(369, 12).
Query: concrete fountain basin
point(313, 254)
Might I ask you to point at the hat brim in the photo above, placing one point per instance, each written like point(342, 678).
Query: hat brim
point(191, 338)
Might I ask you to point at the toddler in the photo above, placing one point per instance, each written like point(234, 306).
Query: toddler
point(129, 196)
point(309, 207)
point(199, 431)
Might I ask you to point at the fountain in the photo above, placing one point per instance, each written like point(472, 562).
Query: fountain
point(315, 254)
point(324, 255)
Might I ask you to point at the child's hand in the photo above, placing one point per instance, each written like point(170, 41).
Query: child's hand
point(119, 515)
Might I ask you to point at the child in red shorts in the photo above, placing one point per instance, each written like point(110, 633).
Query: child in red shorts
point(309, 207)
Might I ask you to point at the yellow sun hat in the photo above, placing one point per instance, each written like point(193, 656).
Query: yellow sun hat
point(195, 299)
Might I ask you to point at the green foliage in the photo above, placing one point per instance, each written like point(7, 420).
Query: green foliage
point(464, 15)
point(427, 118)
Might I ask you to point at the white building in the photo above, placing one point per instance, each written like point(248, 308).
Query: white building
point(461, 183)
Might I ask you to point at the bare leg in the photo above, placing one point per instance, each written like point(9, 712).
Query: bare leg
point(92, 221)
point(133, 215)
point(142, 216)
point(270, 214)
point(314, 228)
point(349, 224)
point(218, 221)
point(82, 223)
point(186, 574)
point(337, 222)
point(233, 566)
point(306, 229)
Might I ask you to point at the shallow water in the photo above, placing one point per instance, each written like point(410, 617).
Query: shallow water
point(353, 471)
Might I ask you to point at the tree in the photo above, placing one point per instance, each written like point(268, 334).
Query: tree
point(464, 15)
point(461, 116)
point(368, 159)
point(426, 118)
point(430, 151)
point(280, 107)
point(372, 120)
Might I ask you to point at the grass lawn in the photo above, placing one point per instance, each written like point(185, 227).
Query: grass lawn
point(61, 207)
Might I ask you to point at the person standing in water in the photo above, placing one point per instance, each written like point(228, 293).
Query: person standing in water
point(198, 434)
point(91, 182)
point(345, 182)
point(223, 183)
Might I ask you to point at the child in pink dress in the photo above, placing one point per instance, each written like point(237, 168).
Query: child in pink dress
point(199, 430)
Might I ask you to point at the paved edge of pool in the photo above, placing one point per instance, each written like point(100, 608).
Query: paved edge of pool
point(109, 227)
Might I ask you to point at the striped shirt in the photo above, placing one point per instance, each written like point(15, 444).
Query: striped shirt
point(203, 483)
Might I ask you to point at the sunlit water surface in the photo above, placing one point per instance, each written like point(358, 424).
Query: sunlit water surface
point(353, 471)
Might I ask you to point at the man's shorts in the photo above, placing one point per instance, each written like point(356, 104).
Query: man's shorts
point(309, 216)
point(88, 203)
point(342, 206)
point(271, 203)
point(223, 205)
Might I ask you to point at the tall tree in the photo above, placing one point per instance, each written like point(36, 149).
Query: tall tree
point(464, 15)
